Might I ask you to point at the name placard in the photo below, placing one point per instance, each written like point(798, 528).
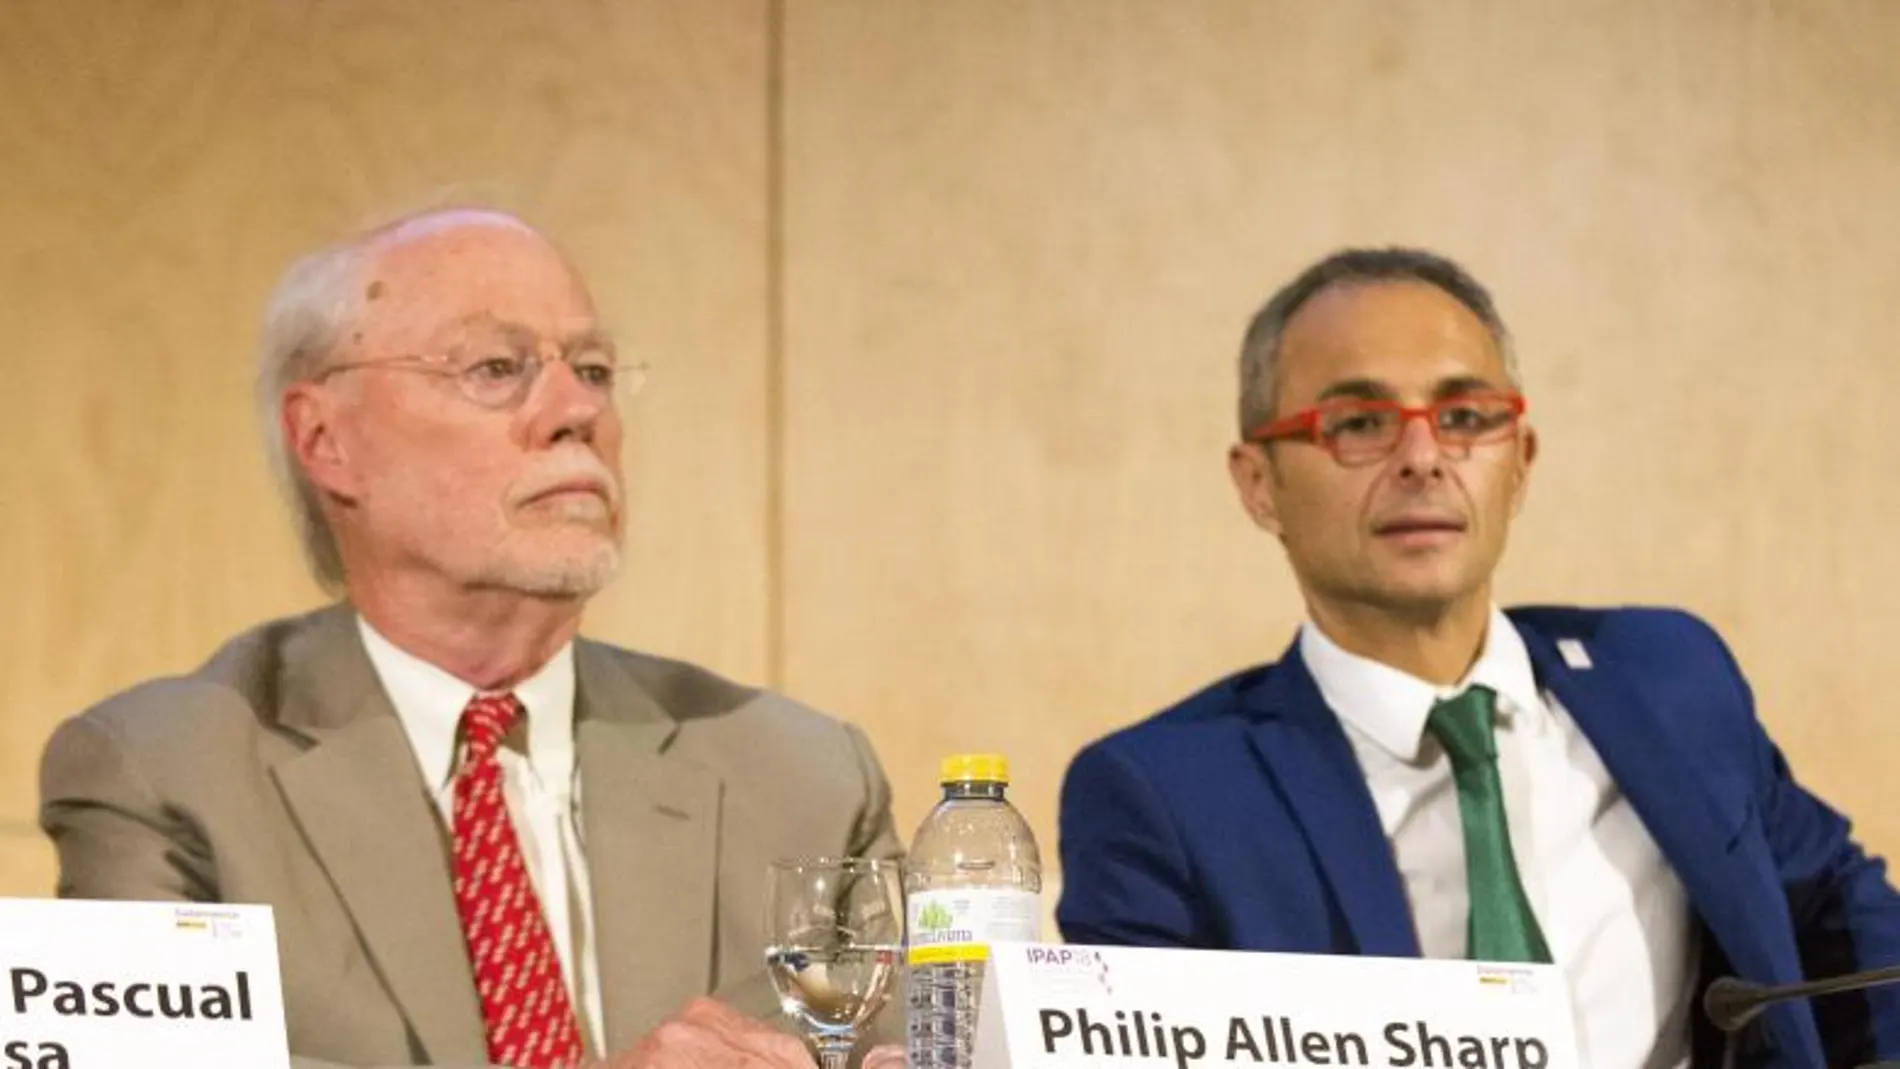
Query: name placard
point(1070, 1007)
point(103, 985)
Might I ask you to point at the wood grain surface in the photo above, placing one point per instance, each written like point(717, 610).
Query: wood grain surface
point(1023, 239)
point(165, 161)
point(943, 302)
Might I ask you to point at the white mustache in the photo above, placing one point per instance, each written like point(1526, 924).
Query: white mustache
point(578, 471)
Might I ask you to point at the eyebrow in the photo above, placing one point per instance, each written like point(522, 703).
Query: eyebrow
point(593, 337)
point(1374, 390)
point(1361, 389)
point(1459, 385)
point(596, 336)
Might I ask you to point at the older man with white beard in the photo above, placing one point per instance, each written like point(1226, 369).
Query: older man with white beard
point(487, 840)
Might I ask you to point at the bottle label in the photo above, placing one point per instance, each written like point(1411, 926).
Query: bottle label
point(959, 925)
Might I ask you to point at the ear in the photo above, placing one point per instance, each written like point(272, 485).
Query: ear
point(1251, 468)
point(308, 417)
point(1526, 456)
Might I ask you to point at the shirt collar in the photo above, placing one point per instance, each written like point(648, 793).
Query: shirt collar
point(1390, 707)
point(430, 701)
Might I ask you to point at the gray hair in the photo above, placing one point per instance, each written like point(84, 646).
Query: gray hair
point(304, 321)
point(1260, 352)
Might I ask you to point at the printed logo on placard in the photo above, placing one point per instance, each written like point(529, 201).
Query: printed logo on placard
point(1070, 969)
point(1506, 979)
point(218, 923)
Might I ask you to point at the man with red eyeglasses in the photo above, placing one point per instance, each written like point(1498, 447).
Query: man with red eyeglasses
point(1422, 773)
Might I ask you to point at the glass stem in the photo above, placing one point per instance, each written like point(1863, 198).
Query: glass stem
point(834, 1053)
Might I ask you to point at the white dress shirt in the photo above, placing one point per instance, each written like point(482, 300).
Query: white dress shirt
point(540, 788)
point(1613, 912)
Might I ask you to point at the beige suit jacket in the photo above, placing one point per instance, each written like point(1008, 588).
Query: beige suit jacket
point(278, 773)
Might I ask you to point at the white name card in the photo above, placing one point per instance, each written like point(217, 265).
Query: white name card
point(105, 985)
point(1079, 1007)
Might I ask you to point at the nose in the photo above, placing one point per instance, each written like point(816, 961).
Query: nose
point(1417, 451)
point(561, 407)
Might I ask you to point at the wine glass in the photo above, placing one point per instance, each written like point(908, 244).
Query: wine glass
point(835, 934)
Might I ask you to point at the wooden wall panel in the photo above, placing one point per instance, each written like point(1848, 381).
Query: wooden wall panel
point(165, 161)
point(1018, 245)
point(1022, 240)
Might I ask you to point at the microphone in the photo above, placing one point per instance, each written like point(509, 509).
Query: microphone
point(1732, 1003)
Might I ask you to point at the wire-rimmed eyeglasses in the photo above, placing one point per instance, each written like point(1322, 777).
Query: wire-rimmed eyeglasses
point(499, 371)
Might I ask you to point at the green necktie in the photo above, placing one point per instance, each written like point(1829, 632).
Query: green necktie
point(1502, 926)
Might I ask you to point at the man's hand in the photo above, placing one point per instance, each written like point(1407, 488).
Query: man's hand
point(711, 1035)
point(889, 1056)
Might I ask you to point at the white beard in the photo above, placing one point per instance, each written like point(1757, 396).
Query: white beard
point(578, 576)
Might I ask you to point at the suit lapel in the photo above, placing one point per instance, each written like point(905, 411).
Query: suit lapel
point(366, 814)
point(1299, 738)
point(650, 819)
point(1695, 834)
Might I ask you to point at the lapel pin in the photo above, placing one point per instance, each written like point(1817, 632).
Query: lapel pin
point(1573, 653)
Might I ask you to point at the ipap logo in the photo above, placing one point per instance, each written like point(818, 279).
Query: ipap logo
point(1070, 968)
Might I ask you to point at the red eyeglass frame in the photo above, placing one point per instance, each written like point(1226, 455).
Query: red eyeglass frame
point(1306, 422)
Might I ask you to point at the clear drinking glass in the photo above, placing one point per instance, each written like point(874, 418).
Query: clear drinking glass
point(835, 932)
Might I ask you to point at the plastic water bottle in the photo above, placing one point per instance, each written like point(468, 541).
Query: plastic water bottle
point(973, 877)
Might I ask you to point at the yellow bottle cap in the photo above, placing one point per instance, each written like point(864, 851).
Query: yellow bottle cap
point(975, 768)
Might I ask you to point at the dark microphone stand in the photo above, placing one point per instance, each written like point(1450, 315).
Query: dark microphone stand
point(1732, 1003)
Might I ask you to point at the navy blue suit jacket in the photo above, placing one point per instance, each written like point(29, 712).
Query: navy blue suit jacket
point(1240, 819)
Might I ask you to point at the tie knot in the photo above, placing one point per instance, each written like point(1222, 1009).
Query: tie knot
point(488, 718)
point(1463, 727)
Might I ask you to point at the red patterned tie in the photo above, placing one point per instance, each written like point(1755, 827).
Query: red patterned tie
point(525, 1006)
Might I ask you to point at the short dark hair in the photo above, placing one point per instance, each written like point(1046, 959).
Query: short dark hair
point(1260, 352)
